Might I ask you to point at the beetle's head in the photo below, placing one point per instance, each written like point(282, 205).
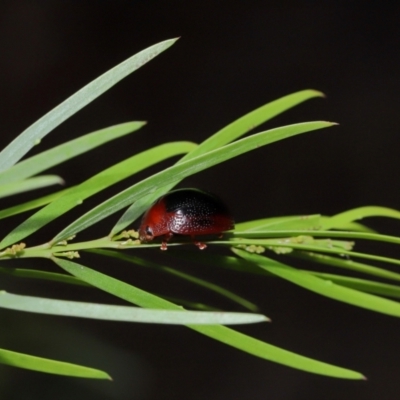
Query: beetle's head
point(146, 233)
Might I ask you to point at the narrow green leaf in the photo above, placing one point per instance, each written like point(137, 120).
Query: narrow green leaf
point(66, 151)
point(179, 274)
point(217, 332)
point(93, 185)
point(323, 287)
point(383, 289)
point(123, 313)
point(272, 353)
point(224, 136)
point(184, 169)
point(348, 264)
point(303, 222)
point(346, 226)
point(31, 205)
point(39, 364)
point(243, 266)
point(282, 234)
point(36, 274)
point(356, 214)
point(254, 224)
point(252, 120)
point(299, 222)
point(308, 243)
point(38, 182)
point(287, 244)
point(32, 135)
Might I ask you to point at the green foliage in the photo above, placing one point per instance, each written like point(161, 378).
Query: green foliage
point(40, 364)
point(321, 240)
point(119, 313)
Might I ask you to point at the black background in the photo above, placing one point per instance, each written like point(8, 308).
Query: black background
point(232, 57)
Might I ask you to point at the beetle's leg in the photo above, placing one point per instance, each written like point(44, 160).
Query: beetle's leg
point(165, 240)
point(200, 245)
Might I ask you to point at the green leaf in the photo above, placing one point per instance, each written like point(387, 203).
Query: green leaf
point(348, 264)
point(252, 120)
point(323, 287)
point(303, 222)
point(282, 234)
point(31, 205)
point(123, 313)
point(243, 266)
point(356, 214)
point(224, 136)
point(254, 224)
point(345, 226)
point(93, 185)
point(29, 184)
point(272, 353)
point(383, 289)
point(39, 364)
point(66, 151)
point(217, 332)
point(36, 274)
point(179, 274)
point(313, 222)
point(32, 135)
point(308, 243)
point(184, 169)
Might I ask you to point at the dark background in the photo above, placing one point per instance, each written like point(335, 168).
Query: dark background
point(232, 57)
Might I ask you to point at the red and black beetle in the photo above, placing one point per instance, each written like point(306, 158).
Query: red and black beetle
point(188, 212)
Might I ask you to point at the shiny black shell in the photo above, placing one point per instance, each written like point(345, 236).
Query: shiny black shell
point(186, 212)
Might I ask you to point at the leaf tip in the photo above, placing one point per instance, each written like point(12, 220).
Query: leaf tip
point(173, 40)
point(318, 93)
point(139, 123)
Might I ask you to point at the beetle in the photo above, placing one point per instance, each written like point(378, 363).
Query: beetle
point(188, 212)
